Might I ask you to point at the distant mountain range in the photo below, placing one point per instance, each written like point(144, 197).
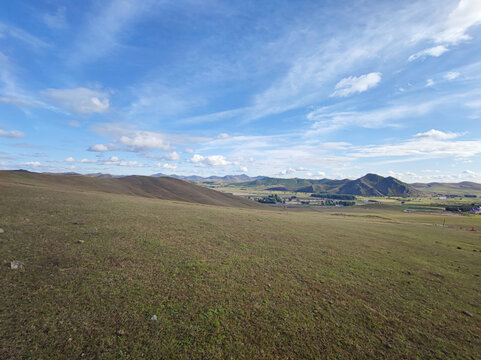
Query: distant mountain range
point(220, 179)
point(368, 185)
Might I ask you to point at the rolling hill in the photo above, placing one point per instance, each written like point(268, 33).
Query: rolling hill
point(461, 188)
point(165, 188)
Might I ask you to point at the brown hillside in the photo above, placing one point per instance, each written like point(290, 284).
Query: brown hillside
point(161, 188)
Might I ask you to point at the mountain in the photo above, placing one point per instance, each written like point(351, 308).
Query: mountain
point(376, 185)
point(165, 188)
point(220, 179)
point(368, 185)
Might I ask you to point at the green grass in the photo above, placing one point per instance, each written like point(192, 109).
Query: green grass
point(352, 283)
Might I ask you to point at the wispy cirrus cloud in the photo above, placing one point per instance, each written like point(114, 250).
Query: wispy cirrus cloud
point(325, 120)
point(428, 145)
point(352, 84)
point(79, 100)
point(435, 51)
point(104, 28)
point(126, 138)
point(452, 30)
point(23, 36)
point(437, 135)
point(12, 134)
point(57, 19)
point(466, 15)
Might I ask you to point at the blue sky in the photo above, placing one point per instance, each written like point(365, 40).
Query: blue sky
point(279, 88)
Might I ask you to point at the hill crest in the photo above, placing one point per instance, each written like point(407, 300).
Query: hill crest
point(165, 188)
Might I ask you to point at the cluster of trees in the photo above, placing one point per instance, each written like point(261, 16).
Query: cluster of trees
point(334, 196)
point(271, 199)
point(464, 208)
point(330, 202)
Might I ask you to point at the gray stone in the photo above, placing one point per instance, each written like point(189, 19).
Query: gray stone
point(17, 265)
point(1, 231)
point(467, 313)
point(154, 318)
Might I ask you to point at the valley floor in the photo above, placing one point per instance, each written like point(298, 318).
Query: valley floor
point(223, 282)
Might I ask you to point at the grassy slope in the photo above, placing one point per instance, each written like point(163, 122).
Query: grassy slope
point(230, 282)
point(162, 188)
point(461, 188)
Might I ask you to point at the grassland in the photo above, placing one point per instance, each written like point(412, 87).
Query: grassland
point(227, 282)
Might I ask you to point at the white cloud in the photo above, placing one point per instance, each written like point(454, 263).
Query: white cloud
point(69, 159)
point(429, 82)
point(87, 161)
point(167, 166)
point(466, 15)
point(223, 136)
point(32, 163)
point(99, 148)
point(188, 151)
point(145, 140)
point(80, 100)
point(173, 156)
point(129, 163)
point(289, 171)
point(353, 84)
point(340, 145)
point(321, 173)
point(19, 101)
point(451, 75)
point(212, 160)
point(435, 51)
point(13, 134)
point(114, 159)
point(243, 169)
point(437, 135)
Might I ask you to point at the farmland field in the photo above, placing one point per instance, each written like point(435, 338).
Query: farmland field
point(227, 282)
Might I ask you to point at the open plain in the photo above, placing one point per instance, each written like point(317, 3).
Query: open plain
point(230, 281)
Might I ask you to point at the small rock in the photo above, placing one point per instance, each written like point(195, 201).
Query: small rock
point(121, 332)
point(1, 231)
point(389, 346)
point(459, 248)
point(437, 275)
point(17, 265)
point(154, 318)
point(467, 313)
point(80, 241)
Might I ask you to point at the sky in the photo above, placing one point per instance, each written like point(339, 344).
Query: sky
point(308, 89)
